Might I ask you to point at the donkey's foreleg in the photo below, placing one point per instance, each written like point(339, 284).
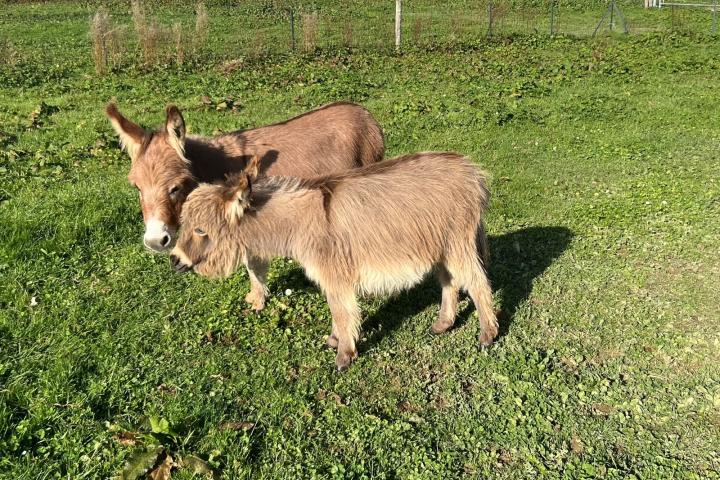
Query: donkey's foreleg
point(257, 271)
point(346, 325)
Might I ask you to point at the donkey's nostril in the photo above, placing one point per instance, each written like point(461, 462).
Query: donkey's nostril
point(165, 241)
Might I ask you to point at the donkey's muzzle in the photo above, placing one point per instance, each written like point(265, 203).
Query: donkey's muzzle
point(178, 264)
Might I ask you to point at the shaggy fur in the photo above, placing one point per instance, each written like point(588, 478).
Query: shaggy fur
point(373, 230)
point(167, 165)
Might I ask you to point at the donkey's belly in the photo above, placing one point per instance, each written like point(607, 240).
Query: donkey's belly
point(388, 279)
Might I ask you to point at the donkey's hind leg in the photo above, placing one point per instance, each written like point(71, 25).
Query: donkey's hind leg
point(346, 324)
point(257, 271)
point(479, 290)
point(448, 307)
point(332, 340)
point(467, 268)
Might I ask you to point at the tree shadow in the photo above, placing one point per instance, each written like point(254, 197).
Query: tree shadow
point(517, 259)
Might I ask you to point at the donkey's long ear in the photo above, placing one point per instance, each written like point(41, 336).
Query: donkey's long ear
point(131, 134)
point(238, 193)
point(252, 168)
point(175, 126)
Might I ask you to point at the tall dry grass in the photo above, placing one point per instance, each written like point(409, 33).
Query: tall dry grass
point(416, 28)
point(310, 24)
point(99, 27)
point(146, 33)
point(8, 53)
point(258, 46)
point(167, 43)
point(347, 34)
point(177, 34)
point(201, 25)
point(107, 47)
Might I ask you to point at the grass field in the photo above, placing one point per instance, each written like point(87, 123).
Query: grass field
point(605, 227)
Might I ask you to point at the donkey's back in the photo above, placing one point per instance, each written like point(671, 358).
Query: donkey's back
point(401, 218)
point(332, 138)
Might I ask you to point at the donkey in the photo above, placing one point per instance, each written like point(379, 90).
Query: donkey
point(167, 164)
point(377, 229)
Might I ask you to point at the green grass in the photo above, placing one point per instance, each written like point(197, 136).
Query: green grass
point(604, 232)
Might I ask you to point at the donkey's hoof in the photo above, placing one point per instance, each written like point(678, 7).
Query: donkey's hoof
point(332, 342)
point(256, 301)
point(487, 338)
point(440, 326)
point(343, 360)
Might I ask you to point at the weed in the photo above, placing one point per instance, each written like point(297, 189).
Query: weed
point(201, 25)
point(99, 29)
point(310, 23)
point(417, 27)
point(348, 34)
point(178, 39)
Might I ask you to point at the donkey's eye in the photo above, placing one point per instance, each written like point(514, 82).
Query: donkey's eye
point(174, 190)
point(200, 232)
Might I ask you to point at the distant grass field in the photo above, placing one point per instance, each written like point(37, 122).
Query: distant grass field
point(605, 228)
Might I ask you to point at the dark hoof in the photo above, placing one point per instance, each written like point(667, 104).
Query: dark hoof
point(343, 360)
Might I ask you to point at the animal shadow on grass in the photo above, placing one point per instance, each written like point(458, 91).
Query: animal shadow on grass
point(516, 259)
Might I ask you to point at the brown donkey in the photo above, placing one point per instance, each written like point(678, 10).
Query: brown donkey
point(167, 165)
point(373, 230)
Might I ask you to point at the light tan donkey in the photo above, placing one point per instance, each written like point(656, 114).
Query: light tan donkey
point(373, 230)
point(167, 164)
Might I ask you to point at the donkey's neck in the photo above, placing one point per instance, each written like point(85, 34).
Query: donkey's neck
point(212, 158)
point(283, 221)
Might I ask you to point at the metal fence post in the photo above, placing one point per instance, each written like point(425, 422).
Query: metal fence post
point(612, 15)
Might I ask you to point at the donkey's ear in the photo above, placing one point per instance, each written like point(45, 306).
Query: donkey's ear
point(175, 126)
point(131, 134)
point(252, 168)
point(239, 193)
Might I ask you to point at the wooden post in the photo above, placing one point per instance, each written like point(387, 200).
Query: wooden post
point(398, 23)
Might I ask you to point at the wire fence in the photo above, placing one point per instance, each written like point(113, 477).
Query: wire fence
point(372, 24)
point(234, 29)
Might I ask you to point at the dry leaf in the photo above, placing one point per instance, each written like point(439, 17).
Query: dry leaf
point(237, 426)
point(129, 439)
point(603, 409)
point(197, 465)
point(405, 406)
point(576, 445)
point(163, 471)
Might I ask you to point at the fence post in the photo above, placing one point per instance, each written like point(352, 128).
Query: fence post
point(490, 19)
point(612, 15)
point(398, 23)
point(552, 18)
point(292, 28)
point(715, 17)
